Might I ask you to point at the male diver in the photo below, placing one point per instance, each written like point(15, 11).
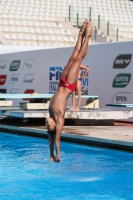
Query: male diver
point(67, 85)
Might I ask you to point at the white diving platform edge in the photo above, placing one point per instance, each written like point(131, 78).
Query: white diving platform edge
point(41, 101)
point(100, 114)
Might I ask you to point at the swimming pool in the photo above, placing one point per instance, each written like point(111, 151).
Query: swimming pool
point(86, 173)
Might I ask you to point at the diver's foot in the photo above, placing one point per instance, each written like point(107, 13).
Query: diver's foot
point(76, 109)
point(57, 159)
point(88, 29)
point(71, 109)
point(82, 29)
point(52, 158)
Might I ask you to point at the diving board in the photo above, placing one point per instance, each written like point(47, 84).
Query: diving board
point(41, 101)
point(7, 108)
point(33, 98)
point(36, 95)
point(23, 96)
point(120, 105)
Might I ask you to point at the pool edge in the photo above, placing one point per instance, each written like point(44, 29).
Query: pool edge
point(86, 140)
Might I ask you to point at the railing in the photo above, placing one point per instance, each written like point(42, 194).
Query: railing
point(101, 27)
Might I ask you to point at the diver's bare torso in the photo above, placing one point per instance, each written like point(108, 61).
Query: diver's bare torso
point(58, 103)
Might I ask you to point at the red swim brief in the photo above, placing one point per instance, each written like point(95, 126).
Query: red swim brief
point(65, 84)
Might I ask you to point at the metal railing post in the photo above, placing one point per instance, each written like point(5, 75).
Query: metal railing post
point(99, 22)
point(108, 28)
point(77, 20)
point(95, 34)
point(117, 34)
point(69, 13)
point(90, 15)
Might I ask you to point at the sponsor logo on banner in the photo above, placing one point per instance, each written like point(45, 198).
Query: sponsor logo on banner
point(2, 79)
point(121, 80)
point(14, 91)
point(28, 91)
point(29, 78)
point(122, 61)
point(29, 64)
point(120, 97)
point(15, 65)
point(54, 78)
point(14, 79)
point(2, 64)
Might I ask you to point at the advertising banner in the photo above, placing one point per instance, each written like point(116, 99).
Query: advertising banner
point(110, 76)
point(112, 72)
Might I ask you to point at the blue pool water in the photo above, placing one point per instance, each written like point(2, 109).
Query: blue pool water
point(85, 173)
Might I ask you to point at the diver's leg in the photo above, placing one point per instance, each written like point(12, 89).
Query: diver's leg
point(73, 72)
point(76, 50)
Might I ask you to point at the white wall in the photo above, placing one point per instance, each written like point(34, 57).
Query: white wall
point(4, 49)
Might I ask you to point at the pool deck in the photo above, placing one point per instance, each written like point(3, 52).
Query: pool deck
point(119, 136)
